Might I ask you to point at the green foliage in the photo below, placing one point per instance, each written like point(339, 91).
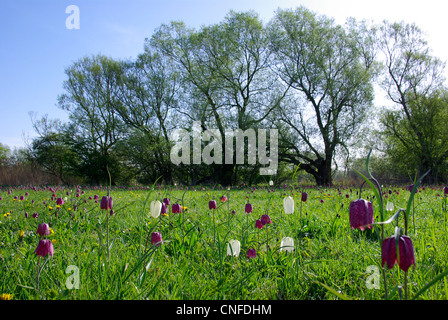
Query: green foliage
point(4, 154)
point(300, 73)
point(423, 149)
point(54, 154)
point(414, 82)
point(329, 71)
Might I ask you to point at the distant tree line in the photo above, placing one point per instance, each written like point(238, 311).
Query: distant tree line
point(300, 73)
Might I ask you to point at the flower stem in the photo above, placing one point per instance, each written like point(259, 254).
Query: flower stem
point(406, 285)
point(267, 239)
point(107, 238)
point(214, 227)
point(38, 260)
point(108, 214)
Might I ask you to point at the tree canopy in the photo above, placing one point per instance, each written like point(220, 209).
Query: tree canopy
point(300, 74)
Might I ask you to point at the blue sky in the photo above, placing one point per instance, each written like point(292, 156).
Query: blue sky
point(36, 46)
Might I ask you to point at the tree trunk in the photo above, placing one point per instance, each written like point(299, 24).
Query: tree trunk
point(323, 176)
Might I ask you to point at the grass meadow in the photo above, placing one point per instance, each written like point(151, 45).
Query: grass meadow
point(98, 256)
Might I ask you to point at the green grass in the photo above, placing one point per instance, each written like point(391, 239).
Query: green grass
point(330, 260)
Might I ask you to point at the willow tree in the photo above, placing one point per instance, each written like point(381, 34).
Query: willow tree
point(328, 70)
point(148, 95)
point(228, 84)
point(413, 80)
point(94, 127)
point(50, 149)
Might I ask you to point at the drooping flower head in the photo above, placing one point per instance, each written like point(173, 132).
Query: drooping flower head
point(248, 208)
point(43, 229)
point(361, 214)
point(251, 253)
point(155, 208)
point(266, 219)
point(233, 248)
point(212, 204)
point(287, 244)
point(389, 206)
point(166, 201)
point(223, 198)
point(304, 196)
point(44, 247)
point(164, 209)
point(59, 201)
point(259, 224)
point(176, 208)
point(106, 203)
point(405, 251)
point(156, 238)
point(288, 205)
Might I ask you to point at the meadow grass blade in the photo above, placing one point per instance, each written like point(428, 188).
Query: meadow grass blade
point(430, 284)
point(295, 172)
point(411, 198)
point(392, 293)
point(446, 288)
point(333, 291)
point(149, 253)
point(391, 219)
point(153, 288)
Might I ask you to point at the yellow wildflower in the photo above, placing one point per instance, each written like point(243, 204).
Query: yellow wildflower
point(6, 296)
